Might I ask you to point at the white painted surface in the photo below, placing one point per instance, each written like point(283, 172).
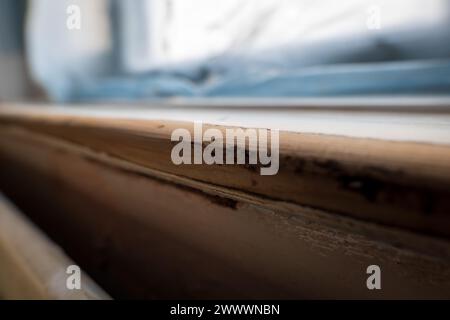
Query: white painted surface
point(364, 121)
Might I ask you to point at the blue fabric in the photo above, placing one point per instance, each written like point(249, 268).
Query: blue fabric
point(410, 77)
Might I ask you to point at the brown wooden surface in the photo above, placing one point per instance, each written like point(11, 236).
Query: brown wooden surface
point(32, 266)
point(106, 190)
point(398, 183)
point(141, 236)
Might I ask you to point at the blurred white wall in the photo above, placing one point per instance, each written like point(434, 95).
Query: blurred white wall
point(58, 55)
point(13, 77)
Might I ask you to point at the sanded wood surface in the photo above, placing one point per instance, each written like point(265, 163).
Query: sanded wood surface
point(395, 182)
point(145, 228)
point(143, 233)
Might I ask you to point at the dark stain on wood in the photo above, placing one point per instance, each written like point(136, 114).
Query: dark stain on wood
point(218, 200)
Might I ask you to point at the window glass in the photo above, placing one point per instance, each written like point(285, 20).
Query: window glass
point(145, 49)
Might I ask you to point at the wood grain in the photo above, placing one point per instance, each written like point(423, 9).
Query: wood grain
point(396, 183)
point(105, 188)
point(144, 234)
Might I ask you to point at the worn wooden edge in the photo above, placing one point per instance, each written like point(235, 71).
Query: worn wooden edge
point(13, 141)
point(287, 245)
point(34, 267)
point(397, 183)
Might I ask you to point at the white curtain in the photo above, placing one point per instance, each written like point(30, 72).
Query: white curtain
point(181, 30)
